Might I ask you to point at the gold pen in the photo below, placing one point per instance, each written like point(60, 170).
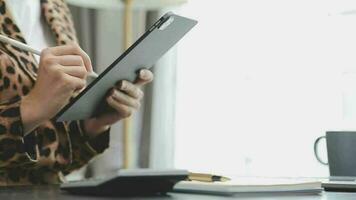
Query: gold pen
point(206, 177)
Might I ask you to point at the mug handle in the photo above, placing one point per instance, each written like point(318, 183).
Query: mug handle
point(316, 143)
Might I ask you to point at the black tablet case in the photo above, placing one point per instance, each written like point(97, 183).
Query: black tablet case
point(139, 185)
point(146, 51)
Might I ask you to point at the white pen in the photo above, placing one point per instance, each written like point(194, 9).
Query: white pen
point(92, 75)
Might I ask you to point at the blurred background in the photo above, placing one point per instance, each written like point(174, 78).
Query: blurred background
point(246, 92)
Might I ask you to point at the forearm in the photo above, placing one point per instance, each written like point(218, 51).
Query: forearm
point(31, 114)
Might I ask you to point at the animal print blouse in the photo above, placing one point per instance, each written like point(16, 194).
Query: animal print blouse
point(53, 149)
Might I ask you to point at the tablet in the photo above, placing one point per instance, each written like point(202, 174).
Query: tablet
point(128, 182)
point(144, 53)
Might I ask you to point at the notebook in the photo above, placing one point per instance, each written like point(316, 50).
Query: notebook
point(251, 185)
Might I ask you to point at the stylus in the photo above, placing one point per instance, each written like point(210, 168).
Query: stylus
point(25, 47)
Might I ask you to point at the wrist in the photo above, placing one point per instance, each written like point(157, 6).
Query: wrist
point(31, 113)
point(93, 128)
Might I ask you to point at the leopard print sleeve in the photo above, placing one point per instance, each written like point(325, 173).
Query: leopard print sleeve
point(12, 141)
point(53, 148)
point(83, 148)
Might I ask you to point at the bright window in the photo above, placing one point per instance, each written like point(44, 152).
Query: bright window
point(259, 81)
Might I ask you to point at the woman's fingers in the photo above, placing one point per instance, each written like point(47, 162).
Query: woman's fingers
point(71, 60)
point(75, 71)
point(73, 49)
point(122, 103)
point(131, 89)
point(144, 76)
point(125, 99)
point(73, 82)
point(126, 96)
point(123, 110)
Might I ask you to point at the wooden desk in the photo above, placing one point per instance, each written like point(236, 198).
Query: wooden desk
point(54, 193)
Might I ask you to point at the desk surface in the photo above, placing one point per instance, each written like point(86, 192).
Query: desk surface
point(54, 193)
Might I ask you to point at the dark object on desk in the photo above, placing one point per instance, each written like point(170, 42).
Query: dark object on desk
point(340, 184)
point(144, 53)
point(140, 182)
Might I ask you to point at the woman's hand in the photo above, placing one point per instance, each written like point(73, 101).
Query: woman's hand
point(62, 72)
point(124, 98)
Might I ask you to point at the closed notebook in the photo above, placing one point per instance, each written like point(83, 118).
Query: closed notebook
point(251, 185)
